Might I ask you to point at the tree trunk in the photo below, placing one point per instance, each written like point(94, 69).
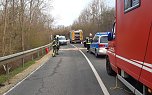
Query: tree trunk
point(12, 26)
point(5, 27)
point(21, 23)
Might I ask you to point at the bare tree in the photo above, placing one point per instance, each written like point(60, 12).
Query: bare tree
point(5, 26)
point(97, 17)
point(23, 25)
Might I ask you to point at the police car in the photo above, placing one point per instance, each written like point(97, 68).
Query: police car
point(99, 43)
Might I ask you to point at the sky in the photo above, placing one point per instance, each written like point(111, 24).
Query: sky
point(66, 11)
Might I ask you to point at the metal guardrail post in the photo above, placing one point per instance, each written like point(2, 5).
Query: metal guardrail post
point(7, 73)
point(38, 54)
point(32, 57)
point(42, 51)
point(23, 62)
point(7, 69)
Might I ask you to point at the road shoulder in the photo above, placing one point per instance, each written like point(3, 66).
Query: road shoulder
point(21, 76)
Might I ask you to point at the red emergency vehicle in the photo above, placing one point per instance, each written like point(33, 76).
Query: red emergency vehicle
point(129, 54)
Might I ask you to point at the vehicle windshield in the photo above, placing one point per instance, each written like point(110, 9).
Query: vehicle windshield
point(104, 39)
point(62, 38)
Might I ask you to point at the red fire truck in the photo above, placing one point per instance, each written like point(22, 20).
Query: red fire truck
point(129, 54)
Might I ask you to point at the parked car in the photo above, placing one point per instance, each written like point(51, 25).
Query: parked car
point(62, 40)
point(99, 44)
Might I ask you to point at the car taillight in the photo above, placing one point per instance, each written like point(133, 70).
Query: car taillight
point(101, 45)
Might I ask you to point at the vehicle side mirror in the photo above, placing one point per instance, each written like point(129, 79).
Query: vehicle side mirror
point(110, 36)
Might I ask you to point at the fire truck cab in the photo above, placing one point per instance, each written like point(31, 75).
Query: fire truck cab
point(129, 53)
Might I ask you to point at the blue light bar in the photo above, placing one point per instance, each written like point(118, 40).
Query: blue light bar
point(102, 33)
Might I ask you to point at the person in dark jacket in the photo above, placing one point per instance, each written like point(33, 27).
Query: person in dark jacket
point(88, 42)
point(55, 45)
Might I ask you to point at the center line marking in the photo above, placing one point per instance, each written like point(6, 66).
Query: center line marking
point(102, 86)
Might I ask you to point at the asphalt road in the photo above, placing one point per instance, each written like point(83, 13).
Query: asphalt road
point(70, 74)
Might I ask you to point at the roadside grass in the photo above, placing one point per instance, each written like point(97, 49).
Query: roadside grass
point(5, 77)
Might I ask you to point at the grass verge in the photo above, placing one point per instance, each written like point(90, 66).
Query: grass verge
point(4, 78)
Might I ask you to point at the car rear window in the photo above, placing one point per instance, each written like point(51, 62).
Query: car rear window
point(96, 39)
point(104, 39)
point(62, 38)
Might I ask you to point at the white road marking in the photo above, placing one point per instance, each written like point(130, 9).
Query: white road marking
point(25, 78)
point(68, 49)
point(102, 86)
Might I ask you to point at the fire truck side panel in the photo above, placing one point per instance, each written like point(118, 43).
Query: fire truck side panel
point(111, 55)
point(132, 34)
point(146, 75)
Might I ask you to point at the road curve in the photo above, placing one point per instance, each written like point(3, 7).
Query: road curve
point(69, 74)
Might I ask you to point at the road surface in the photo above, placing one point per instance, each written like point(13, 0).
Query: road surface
point(70, 74)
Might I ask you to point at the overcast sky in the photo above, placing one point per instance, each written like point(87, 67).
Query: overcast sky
point(66, 11)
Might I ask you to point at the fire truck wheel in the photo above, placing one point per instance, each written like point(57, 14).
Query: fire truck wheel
point(109, 68)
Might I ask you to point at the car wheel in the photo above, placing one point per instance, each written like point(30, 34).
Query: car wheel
point(109, 68)
point(96, 54)
point(89, 51)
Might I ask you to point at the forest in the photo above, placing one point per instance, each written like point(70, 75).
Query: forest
point(25, 24)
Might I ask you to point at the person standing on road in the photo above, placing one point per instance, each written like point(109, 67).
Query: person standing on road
point(88, 42)
point(58, 44)
point(55, 45)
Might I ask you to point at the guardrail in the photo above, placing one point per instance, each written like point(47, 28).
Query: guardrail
point(21, 55)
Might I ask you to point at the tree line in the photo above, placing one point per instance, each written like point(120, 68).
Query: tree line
point(96, 17)
point(24, 25)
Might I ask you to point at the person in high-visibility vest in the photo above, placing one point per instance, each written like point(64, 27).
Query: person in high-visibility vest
point(88, 42)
